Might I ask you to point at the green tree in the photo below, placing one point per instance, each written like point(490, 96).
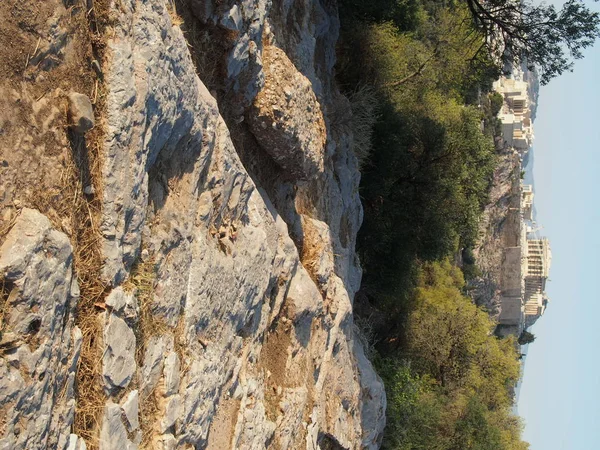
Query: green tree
point(538, 35)
point(526, 338)
point(452, 388)
point(496, 102)
point(451, 339)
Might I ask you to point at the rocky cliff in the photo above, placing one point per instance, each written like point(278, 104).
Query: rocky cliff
point(500, 228)
point(177, 256)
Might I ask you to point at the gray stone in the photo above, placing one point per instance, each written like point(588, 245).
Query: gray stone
point(233, 19)
point(171, 371)
point(167, 442)
point(173, 411)
point(292, 131)
point(76, 443)
point(77, 341)
point(122, 303)
point(113, 435)
point(153, 364)
point(81, 112)
point(373, 401)
point(36, 377)
point(23, 242)
point(130, 408)
point(118, 359)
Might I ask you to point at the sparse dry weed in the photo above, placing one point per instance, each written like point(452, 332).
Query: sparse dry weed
point(359, 119)
point(86, 170)
point(312, 249)
point(176, 19)
point(141, 282)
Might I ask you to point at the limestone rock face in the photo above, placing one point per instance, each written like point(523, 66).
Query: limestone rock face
point(227, 242)
point(257, 335)
point(39, 343)
point(286, 117)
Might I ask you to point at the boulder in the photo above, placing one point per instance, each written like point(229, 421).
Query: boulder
point(81, 112)
point(40, 342)
point(286, 118)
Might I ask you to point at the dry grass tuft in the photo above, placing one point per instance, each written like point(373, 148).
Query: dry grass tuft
point(6, 287)
point(359, 119)
point(7, 227)
point(176, 19)
point(313, 246)
point(206, 45)
point(363, 103)
point(148, 415)
point(364, 331)
point(85, 219)
point(141, 282)
point(86, 170)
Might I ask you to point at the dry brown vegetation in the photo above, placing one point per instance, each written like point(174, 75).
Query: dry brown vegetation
point(206, 49)
point(6, 289)
point(313, 245)
point(85, 218)
point(176, 19)
point(141, 282)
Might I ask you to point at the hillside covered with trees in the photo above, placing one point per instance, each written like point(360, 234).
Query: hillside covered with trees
point(419, 74)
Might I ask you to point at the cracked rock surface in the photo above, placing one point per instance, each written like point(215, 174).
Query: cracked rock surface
point(39, 343)
point(227, 318)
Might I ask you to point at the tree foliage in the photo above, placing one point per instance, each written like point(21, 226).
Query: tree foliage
point(449, 380)
point(453, 386)
point(526, 338)
point(539, 35)
point(427, 177)
point(426, 184)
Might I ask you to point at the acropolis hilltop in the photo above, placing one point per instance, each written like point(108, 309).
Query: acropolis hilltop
point(527, 259)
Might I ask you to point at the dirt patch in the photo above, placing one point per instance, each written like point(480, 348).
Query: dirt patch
point(273, 359)
point(223, 424)
point(46, 51)
point(282, 373)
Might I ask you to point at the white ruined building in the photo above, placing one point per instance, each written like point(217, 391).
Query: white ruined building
point(515, 115)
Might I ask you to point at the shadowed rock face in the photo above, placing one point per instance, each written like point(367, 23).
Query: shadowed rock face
point(228, 322)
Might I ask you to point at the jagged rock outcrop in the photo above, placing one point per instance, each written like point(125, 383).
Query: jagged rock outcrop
point(500, 228)
point(286, 117)
point(227, 320)
point(39, 344)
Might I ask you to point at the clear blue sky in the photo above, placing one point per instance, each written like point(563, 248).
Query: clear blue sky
point(560, 395)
